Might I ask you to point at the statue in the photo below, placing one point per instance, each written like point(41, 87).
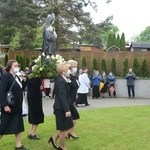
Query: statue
point(49, 36)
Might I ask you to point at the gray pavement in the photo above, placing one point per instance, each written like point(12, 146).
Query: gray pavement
point(99, 103)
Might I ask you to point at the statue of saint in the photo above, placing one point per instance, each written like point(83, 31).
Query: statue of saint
point(49, 36)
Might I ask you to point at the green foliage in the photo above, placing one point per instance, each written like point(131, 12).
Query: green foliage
point(122, 42)
point(33, 57)
point(136, 66)
point(144, 35)
point(22, 63)
point(109, 41)
point(5, 59)
point(27, 62)
point(84, 62)
point(118, 41)
point(103, 65)
point(19, 16)
point(144, 69)
point(113, 66)
point(73, 58)
point(94, 64)
point(125, 67)
point(18, 59)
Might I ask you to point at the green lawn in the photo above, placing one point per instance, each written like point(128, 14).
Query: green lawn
point(122, 128)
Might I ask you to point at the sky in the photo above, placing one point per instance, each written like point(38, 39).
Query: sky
point(130, 16)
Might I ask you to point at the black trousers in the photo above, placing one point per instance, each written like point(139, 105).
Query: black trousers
point(47, 91)
point(82, 99)
point(131, 88)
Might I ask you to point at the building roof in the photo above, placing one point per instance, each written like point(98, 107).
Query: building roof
point(140, 44)
point(113, 48)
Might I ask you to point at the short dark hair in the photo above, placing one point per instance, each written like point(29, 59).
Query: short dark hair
point(9, 65)
point(84, 68)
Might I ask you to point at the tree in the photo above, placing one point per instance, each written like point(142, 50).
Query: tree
point(103, 65)
point(136, 66)
point(5, 59)
point(125, 67)
point(113, 66)
point(19, 16)
point(27, 62)
point(144, 72)
point(144, 35)
point(94, 64)
point(118, 41)
point(84, 62)
point(109, 41)
point(122, 42)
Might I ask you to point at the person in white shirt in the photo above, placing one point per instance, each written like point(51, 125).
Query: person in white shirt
point(84, 87)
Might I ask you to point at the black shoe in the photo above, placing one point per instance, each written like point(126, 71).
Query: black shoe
point(51, 141)
point(59, 148)
point(21, 147)
point(35, 137)
point(87, 105)
point(71, 136)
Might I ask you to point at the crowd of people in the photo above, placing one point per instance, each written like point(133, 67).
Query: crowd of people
point(70, 90)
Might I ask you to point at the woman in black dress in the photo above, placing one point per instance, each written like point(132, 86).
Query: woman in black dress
point(35, 109)
point(11, 116)
point(61, 107)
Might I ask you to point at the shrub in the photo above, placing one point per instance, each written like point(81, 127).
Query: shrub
point(27, 62)
point(144, 72)
point(136, 66)
point(125, 67)
point(94, 67)
point(6, 59)
point(84, 62)
point(113, 66)
point(103, 65)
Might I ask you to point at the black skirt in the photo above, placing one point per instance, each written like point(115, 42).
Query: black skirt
point(96, 92)
point(104, 89)
point(62, 122)
point(74, 112)
point(11, 123)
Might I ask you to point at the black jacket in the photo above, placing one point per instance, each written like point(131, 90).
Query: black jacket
point(62, 99)
point(6, 82)
point(73, 88)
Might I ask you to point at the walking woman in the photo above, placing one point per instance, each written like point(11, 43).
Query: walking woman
point(11, 116)
point(74, 84)
point(61, 107)
point(35, 109)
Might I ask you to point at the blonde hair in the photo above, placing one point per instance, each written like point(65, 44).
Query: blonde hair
point(71, 62)
point(61, 67)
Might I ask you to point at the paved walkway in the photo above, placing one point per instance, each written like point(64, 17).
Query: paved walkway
point(99, 103)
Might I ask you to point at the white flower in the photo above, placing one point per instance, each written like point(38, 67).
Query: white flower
point(43, 54)
point(41, 69)
point(36, 60)
point(47, 57)
point(53, 57)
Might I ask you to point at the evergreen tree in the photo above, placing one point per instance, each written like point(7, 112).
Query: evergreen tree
point(103, 65)
point(125, 66)
point(113, 66)
point(122, 42)
point(144, 69)
point(136, 66)
point(84, 62)
point(113, 39)
point(22, 63)
point(18, 59)
point(27, 62)
point(118, 41)
point(94, 64)
point(109, 41)
point(5, 59)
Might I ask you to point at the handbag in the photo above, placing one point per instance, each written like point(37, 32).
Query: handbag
point(10, 97)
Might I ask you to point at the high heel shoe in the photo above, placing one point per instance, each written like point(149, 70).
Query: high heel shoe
point(51, 140)
point(70, 135)
point(59, 148)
